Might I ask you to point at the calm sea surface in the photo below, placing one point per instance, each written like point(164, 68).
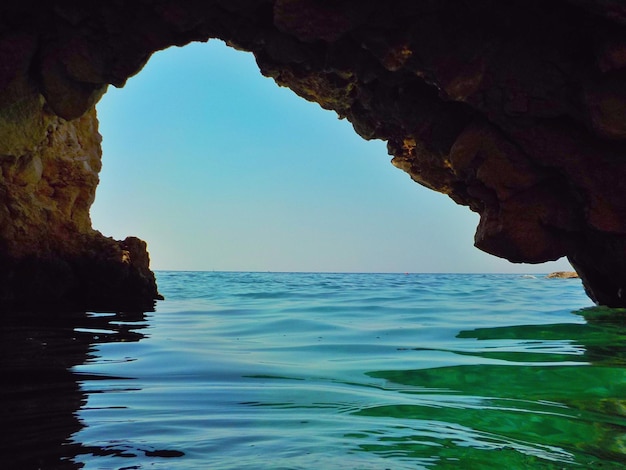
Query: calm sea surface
point(322, 371)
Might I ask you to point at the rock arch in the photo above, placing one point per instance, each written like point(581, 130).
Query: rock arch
point(514, 109)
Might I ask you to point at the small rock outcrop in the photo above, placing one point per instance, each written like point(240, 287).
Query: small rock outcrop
point(514, 109)
point(563, 275)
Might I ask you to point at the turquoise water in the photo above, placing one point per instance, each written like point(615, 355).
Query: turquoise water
point(308, 371)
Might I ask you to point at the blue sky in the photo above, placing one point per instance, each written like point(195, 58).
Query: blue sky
point(218, 168)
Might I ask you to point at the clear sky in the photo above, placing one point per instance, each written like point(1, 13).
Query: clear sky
point(218, 168)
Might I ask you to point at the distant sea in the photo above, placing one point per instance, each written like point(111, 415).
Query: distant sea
point(321, 371)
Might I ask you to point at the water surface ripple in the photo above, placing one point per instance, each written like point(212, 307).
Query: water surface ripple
point(307, 371)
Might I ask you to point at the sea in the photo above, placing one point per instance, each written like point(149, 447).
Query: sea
point(239, 370)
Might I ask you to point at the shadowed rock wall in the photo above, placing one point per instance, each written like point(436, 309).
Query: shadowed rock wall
point(515, 109)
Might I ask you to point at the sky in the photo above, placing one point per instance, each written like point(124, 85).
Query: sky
point(218, 168)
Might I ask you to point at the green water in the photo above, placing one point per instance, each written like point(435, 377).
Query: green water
point(348, 371)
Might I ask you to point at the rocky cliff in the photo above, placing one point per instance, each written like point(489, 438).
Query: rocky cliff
point(514, 109)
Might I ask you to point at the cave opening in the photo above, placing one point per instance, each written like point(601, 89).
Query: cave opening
point(220, 169)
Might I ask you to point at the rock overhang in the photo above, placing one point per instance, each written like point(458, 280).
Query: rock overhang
point(514, 109)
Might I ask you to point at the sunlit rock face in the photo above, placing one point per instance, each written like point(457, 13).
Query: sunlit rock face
point(515, 109)
point(49, 254)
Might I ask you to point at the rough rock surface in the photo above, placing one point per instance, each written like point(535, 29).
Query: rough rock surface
point(563, 275)
point(515, 109)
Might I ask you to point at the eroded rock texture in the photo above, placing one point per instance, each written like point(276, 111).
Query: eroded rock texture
point(515, 109)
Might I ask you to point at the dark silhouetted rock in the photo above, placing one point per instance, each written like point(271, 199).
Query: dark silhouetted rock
point(514, 109)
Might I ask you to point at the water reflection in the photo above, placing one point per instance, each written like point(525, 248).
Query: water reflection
point(41, 394)
point(230, 389)
point(541, 395)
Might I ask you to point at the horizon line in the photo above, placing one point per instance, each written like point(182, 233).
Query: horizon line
point(345, 272)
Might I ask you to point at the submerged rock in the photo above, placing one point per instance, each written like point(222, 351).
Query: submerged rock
point(514, 109)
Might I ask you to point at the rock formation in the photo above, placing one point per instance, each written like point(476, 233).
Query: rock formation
point(563, 275)
point(514, 109)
